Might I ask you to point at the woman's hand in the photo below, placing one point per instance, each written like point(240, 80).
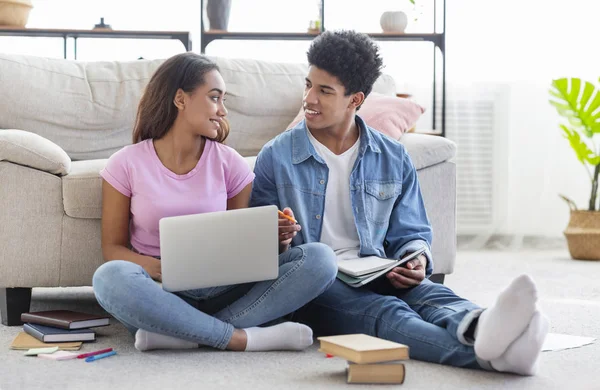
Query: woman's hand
point(152, 266)
point(287, 230)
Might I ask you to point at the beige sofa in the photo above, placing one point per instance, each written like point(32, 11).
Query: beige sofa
point(59, 122)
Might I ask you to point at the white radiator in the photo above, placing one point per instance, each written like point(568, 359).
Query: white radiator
point(476, 120)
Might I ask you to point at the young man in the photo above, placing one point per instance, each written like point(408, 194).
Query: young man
point(356, 190)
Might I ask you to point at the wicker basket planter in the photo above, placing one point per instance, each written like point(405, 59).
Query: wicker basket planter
point(14, 12)
point(583, 235)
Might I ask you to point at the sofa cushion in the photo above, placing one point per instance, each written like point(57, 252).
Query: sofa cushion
point(427, 150)
point(391, 115)
point(31, 150)
point(264, 97)
point(82, 188)
point(87, 108)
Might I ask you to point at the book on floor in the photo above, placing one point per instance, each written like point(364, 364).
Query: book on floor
point(358, 271)
point(24, 341)
point(49, 334)
point(65, 319)
point(361, 348)
point(390, 372)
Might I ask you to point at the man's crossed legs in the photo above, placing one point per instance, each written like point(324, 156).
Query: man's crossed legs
point(436, 324)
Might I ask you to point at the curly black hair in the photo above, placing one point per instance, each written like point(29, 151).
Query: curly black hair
point(350, 56)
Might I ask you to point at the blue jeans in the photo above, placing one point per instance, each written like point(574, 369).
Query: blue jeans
point(429, 318)
point(125, 290)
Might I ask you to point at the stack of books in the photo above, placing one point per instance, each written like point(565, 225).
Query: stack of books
point(370, 359)
point(63, 328)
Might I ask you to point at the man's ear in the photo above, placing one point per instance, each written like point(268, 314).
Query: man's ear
point(179, 100)
point(356, 100)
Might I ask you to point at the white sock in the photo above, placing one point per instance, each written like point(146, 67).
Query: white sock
point(507, 319)
point(146, 341)
point(284, 336)
point(521, 357)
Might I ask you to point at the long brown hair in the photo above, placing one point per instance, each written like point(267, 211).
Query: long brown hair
point(156, 110)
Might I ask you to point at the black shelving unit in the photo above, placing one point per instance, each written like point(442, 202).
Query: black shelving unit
point(437, 38)
point(182, 36)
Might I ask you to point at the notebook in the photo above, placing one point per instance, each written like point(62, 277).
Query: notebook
point(362, 348)
point(48, 334)
point(23, 341)
point(65, 319)
point(359, 271)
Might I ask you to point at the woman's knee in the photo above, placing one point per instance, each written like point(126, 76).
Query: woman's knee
point(321, 259)
point(111, 275)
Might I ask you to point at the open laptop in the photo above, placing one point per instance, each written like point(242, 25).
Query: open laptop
point(219, 248)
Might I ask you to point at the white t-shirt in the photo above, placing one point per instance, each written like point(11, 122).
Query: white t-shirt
point(339, 229)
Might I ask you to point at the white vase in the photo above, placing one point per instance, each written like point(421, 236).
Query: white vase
point(218, 12)
point(393, 21)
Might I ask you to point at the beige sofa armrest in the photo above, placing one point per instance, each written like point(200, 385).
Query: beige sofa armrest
point(32, 150)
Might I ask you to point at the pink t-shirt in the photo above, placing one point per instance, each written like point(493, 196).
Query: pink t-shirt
point(156, 192)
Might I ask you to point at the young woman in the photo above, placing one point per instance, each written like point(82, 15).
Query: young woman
point(179, 165)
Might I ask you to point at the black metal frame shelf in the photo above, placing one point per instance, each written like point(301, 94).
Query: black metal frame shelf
point(212, 35)
point(437, 38)
point(182, 36)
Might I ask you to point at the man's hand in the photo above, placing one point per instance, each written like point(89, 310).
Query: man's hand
point(410, 275)
point(287, 230)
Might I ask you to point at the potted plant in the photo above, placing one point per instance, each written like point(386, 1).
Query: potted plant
point(578, 102)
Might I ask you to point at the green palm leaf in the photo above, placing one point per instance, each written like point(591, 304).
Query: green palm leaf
point(578, 102)
point(582, 150)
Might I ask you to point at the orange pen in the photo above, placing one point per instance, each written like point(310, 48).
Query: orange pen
point(286, 216)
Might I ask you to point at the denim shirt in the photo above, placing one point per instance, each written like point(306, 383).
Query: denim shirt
point(388, 208)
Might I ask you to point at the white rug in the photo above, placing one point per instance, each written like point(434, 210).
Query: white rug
point(570, 297)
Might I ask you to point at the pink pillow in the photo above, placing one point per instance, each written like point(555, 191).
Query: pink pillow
point(393, 116)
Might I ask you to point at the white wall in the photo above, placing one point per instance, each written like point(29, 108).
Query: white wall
point(541, 165)
point(532, 42)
